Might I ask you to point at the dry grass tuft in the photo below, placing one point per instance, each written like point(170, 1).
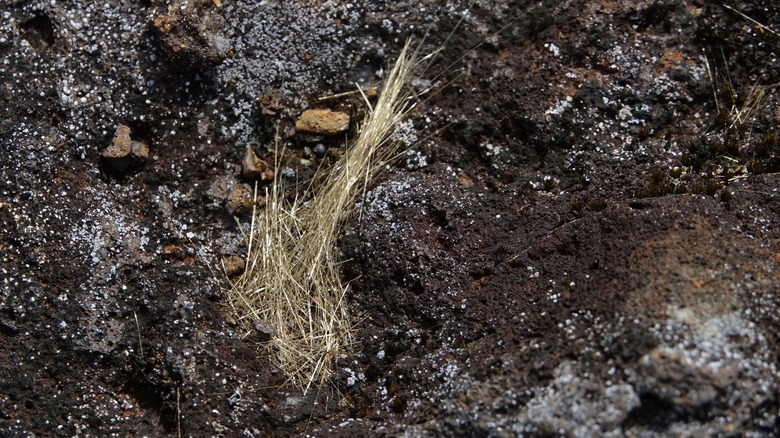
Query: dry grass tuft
point(292, 282)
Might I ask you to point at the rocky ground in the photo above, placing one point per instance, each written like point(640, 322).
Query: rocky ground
point(581, 239)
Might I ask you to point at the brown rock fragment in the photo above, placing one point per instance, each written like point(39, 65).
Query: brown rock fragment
point(252, 166)
point(239, 200)
point(322, 122)
point(234, 265)
point(121, 144)
point(123, 151)
point(192, 43)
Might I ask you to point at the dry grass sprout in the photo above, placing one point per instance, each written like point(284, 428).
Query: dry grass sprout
point(292, 288)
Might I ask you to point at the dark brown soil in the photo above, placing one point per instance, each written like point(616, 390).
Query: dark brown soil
point(580, 241)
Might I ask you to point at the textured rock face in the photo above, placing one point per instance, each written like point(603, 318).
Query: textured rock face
point(581, 238)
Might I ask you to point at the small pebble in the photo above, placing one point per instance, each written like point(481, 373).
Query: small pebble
point(320, 150)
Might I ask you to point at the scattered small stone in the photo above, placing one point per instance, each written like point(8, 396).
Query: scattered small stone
point(239, 200)
point(219, 190)
point(192, 43)
point(253, 167)
point(123, 151)
point(320, 150)
point(264, 330)
point(233, 265)
point(268, 175)
point(322, 121)
point(289, 173)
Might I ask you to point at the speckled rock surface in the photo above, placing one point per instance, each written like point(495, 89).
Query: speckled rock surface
point(581, 239)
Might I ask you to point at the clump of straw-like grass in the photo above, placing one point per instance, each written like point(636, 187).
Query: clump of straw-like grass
point(292, 283)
